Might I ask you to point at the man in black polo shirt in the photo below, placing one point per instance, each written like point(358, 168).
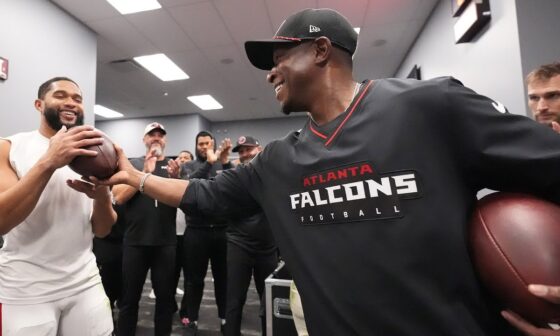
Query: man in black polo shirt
point(149, 241)
point(369, 203)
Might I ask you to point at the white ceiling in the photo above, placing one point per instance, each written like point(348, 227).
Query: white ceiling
point(206, 37)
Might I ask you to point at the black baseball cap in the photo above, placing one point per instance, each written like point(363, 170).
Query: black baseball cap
point(245, 141)
point(307, 24)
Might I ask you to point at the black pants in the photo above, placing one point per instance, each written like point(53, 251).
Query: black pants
point(137, 260)
point(178, 259)
point(109, 261)
point(243, 264)
point(200, 246)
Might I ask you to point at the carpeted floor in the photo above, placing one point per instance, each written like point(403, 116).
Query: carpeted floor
point(208, 323)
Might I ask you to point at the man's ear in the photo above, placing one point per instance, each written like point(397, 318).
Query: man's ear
point(38, 105)
point(323, 49)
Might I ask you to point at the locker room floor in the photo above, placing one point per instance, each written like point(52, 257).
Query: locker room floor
point(208, 323)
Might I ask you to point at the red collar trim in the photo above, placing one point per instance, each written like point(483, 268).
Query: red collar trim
point(335, 133)
point(317, 133)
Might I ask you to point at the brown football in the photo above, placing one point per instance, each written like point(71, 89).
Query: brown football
point(102, 166)
point(515, 241)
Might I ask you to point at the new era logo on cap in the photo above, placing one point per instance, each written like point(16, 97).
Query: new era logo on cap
point(313, 29)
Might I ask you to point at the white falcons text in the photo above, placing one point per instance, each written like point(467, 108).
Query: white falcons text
point(404, 184)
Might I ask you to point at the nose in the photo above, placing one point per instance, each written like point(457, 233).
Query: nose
point(542, 105)
point(271, 75)
point(69, 102)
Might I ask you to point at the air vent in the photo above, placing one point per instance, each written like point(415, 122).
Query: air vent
point(125, 65)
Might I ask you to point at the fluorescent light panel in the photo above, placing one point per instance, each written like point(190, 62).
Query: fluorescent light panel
point(101, 110)
point(134, 6)
point(162, 67)
point(205, 102)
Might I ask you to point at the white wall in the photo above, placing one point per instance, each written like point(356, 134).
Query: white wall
point(181, 132)
point(491, 64)
point(41, 41)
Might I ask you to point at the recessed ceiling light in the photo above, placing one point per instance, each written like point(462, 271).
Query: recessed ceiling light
point(134, 6)
point(162, 67)
point(101, 110)
point(205, 102)
point(357, 29)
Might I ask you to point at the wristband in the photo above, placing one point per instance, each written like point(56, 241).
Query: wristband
point(142, 181)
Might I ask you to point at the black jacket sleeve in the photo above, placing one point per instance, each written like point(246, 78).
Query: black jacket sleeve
point(502, 151)
point(226, 194)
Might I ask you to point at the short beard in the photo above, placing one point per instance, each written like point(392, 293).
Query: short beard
point(157, 148)
point(53, 119)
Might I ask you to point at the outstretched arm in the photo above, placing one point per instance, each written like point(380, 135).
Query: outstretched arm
point(18, 197)
point(165, 190)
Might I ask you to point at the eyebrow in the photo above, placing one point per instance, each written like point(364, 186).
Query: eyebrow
point(66, 92)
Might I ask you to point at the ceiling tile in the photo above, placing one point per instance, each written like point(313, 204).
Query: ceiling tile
point(161, 30)
point(278, 11)
point(122, 33)
point(88, 10)
point(202, 22)
point(234, 14)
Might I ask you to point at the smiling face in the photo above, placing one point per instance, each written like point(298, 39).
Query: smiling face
point(247, 153)
point(61, 105)
point(544, 99)
point(290, 75)
point(155, 141)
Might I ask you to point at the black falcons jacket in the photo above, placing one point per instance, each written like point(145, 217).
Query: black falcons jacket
point(370, 210)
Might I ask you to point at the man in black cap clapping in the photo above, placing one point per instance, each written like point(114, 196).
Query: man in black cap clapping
point(250, 252)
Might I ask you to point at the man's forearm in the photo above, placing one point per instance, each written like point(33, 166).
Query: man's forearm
point(17, 202)
point(103, 217)
point(165, 190)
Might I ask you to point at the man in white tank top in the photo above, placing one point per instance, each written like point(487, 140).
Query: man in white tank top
point(49, 281)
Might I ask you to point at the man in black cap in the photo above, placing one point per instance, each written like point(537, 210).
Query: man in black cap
point(250, 252)
point(369, 202)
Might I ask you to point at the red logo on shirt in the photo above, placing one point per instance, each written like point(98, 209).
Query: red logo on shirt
point(338, 174)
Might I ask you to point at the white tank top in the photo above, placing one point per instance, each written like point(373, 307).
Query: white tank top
point(49, 255)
